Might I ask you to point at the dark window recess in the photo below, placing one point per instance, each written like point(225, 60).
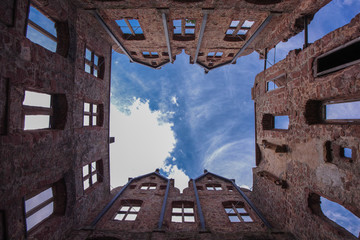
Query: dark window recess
point(231, 55)
point(328, 152)
point(162, 187)
point(132, 186)
point(199, 188)
point(133, 53)
point(4, 105)
point(165, 54)
point(313, 112)
point(338, 58)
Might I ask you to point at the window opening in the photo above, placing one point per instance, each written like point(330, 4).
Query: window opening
point(37, 110)
point(230, 188)
point(38, 208)
point(148, 186)
point(271, 85)
point(150, 54)
point(281, 122)
point(184, 29)
point(128, 211)
point(345, 152)
point(236, 212)
point(345, 111)
point(182, 212)
point(92, 114)
point(131, 29)
point(338, 58)
point(91, 174)
point(213, 187)
point(92, 64)
point(333, 212)
point(41, 29)
point(237, 30)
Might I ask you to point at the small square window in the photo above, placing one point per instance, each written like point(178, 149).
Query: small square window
point(128, 211)
point(92, 114)
point(93, 62)
point(182, 212)
point(91, 174)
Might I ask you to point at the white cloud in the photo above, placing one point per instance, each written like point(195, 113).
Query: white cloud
point(181, 179)
point(143, 140)
point(174, 101)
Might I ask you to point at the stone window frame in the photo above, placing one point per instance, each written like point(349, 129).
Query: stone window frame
point(127, 208)
point(91, 114)
point(235, 37)
point(315, 111)
point(334, 153)
point(62, 38)
point(94, 169)
point(214, 187)
point(183, 36)
point(58, 199)
point(183, 209)
point(57, 111)
point(96, 69)
point(133, 35)
point(231, 209)
point(329, 53)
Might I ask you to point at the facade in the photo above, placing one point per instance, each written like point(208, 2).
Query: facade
point(54, 174)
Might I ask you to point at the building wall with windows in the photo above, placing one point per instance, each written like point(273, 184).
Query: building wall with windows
point(317, 154)
point(151, 207)
point(44, 143)
point(228, 27)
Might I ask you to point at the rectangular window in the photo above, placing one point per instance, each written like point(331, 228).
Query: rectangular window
point(37, 110)
point(92, 114)
point(4, 105)
point(338, 58)
point(182, 212)
point(345, 152)
point(148, 186)
point(344, 111)
point(131, 29)
point(41, 29)
point(281, 122)
point(128, 211)
point(93, 63)
point(184, 29)
point(150, 54)
point(236, 212)
point(91, 174)
point(271, 85)
point(38, 208)
point(237, 30)
point(213, 187)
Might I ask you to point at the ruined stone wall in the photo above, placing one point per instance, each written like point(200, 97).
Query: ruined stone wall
point(33, 160)
point(312, 163)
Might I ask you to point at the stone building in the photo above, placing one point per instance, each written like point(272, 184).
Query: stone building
point(55, 153)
